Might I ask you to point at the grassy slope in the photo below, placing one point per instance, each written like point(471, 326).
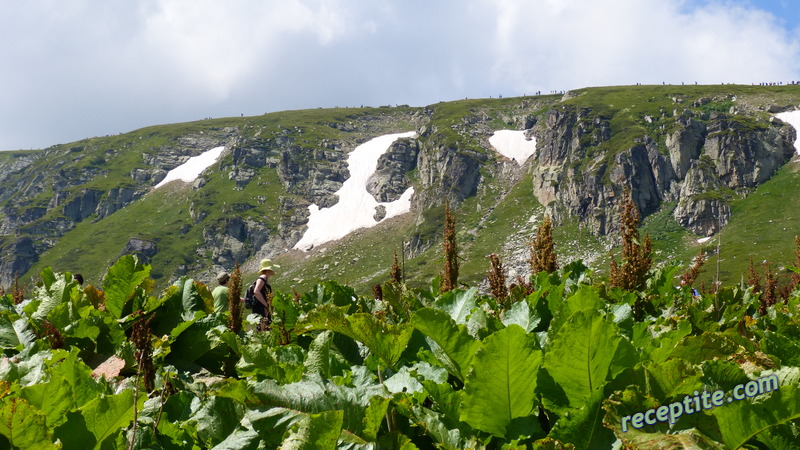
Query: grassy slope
point(484, 223)
point(763, 226)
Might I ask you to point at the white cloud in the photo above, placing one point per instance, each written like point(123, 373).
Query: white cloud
point(575, 43)
point(81, 68)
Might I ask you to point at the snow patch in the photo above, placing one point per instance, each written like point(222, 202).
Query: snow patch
point(704, 240)
point(191, 169)
point(356, 206)
point(513, 145)
point(793, 119)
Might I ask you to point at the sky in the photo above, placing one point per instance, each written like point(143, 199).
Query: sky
point(82, 68)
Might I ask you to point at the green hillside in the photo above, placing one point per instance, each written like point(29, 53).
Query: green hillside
point(497, 218)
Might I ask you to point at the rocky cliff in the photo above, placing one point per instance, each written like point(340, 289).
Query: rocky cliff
point(696, 152)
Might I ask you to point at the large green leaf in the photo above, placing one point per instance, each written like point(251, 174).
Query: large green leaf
point(458, 303)
point(706, 346)
point(622, 406)
point(283, 364)
point(314, 431)
point(586, 353)
point(656, 342)
point(531, 313)
point(216, 419)
point(331, 293)
point(501, 383)
point(56, 289)
point(584, 426)
point(784, 347)
point(23, 424)
point(673, 378)
point(318, 359)
point(121, 282)
point(70, 387)
point(384, 340)
point(586, 298)
point(743, 420)
point(14, 334)
point(98, 420)
point(315, 395)
point(454, 339)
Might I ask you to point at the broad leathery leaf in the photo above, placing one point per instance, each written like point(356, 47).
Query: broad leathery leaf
point(15, 334)
point(30, 367)
point(242, 439)
point(437, 430)
point(706, 346)
point(396, 440)
point(384, 340)
point(779, 437)
point(586, 353)
point(785, 348)
point(283, 364)
point(454, 339)
point(202, 336)
point(195, 296)
point(720, 374)
point(740, 421)
point(673, 378)
point(23, 424)
point(373, 417)
point(318, 359)
point(529, 313)
point(481, 324)
point(631, 401)
point(314, 395)
point(408, 380)
point(458, 303)
point(330, 292)
point(97, 421)
point(58, 291)
point(286, 428)
point(108, 414)
point(314, 431)
point(70, 386)
point(583, 427)
point(586, 298)
point(501, 383)
point(239, 390)
point(216, 419)
point(657, 342)
point(121, 282)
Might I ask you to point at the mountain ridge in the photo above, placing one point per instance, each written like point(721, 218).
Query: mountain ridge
point(696, 149)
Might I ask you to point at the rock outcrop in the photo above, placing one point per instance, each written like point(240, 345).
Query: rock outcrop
point(697, 155)
point(702, 163)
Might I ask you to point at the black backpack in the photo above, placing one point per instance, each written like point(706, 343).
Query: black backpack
point(250, 296)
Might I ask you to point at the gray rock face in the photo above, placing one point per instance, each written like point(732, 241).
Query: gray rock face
point(447, 173)
point(144, 249)
point(704, 160)
point(684, 144)
point(698, 160)
point(390, 181)
point(18, 257)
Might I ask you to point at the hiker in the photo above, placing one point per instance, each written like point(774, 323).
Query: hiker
point(263, 306)
point(220, 293)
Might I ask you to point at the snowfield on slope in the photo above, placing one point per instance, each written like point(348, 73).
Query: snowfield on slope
point(193, 167)
point(793, 119)
point(513, 145)
point(356, 206)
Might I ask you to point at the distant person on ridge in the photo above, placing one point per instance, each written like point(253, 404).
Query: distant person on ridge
point(263, 306)
point(220, 292)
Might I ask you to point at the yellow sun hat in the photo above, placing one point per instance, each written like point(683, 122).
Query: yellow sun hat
point(267, 264)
